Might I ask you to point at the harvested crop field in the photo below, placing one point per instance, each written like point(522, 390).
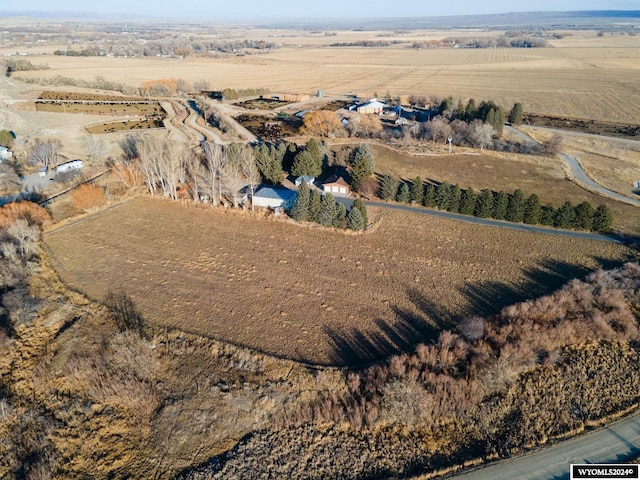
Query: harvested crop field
point(596, 80)
point(312, 294)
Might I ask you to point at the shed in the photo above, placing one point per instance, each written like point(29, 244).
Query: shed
point(337, 186)
point(308, 179)
point(273, 197)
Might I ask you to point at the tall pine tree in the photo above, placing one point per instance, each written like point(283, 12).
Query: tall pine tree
point(484, 204)
point(429, 199)
point(388, 187)
point(417, 190)
point(310, 160)
point(359, 204)
point(500, 205)
point(515, 209)
point(602, 219)
point(300, 209)
point(565, 216)
point(355, 220)
point(468, 201)
point(584, 216)
point(314, 205)
point(443, 196)
point(403, 193)
point(327, 214)
point(532, 210)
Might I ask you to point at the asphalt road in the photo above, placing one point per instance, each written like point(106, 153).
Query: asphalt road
point(616, 443)
point(583, 178)
point(488, 222)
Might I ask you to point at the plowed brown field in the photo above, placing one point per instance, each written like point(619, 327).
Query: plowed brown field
point(312, 294)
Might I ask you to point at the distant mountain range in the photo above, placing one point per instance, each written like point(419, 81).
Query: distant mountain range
point(579, 19)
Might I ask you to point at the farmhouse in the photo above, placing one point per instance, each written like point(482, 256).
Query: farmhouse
point(68, 166)
point(273, 197)
point(5, 154)
point(372, 106)
point(337, 186)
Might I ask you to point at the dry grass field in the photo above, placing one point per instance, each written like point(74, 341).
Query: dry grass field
point(312, 294)
point(543, 176)
point(581, 76)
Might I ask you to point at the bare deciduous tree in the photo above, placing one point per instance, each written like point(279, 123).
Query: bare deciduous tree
point(26, 236)
point(437, 130)
point(481, 133)
point(215, 160)
point(44, 152)
point(94, 147)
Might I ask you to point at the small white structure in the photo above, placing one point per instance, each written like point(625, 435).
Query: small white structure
point(42, 172)
point(308, 179)
point(5, 154)
point(274, 197)
point(68, 166)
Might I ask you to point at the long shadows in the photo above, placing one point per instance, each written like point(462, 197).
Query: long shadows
point(422, 318)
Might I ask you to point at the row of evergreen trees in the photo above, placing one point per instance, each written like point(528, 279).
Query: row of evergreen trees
point(515, 207)
point(312, 206)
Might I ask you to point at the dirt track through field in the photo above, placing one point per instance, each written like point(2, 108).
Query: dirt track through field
point(312, 294)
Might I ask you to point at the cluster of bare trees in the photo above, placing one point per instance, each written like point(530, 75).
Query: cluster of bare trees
point(167, 168)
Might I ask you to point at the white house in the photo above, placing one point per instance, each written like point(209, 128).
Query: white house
point(68, 166)
point(274, 197)
point(5, 154)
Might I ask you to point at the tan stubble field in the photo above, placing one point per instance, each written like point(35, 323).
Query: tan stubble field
point(314, 295)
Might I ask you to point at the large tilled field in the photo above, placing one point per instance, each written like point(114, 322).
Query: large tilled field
point(312, 294)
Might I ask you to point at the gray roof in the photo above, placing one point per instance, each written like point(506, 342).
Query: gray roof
point(275, 193)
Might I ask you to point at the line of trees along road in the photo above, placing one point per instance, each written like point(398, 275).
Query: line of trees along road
point(513, 207)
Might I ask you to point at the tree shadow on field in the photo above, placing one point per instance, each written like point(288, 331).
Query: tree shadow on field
point(421, 319)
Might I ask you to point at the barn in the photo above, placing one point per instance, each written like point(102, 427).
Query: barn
point(274, 197)
point(373, 106)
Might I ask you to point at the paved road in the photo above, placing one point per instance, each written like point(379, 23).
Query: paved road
point(584, 179)
point(618, 442)
point(578, 174)
point(488, 222)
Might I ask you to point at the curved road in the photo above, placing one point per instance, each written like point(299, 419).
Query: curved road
point(578, 173)
point(616, 443)
point(581, 177)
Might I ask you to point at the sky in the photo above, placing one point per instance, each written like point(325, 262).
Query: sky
point(256, 9)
